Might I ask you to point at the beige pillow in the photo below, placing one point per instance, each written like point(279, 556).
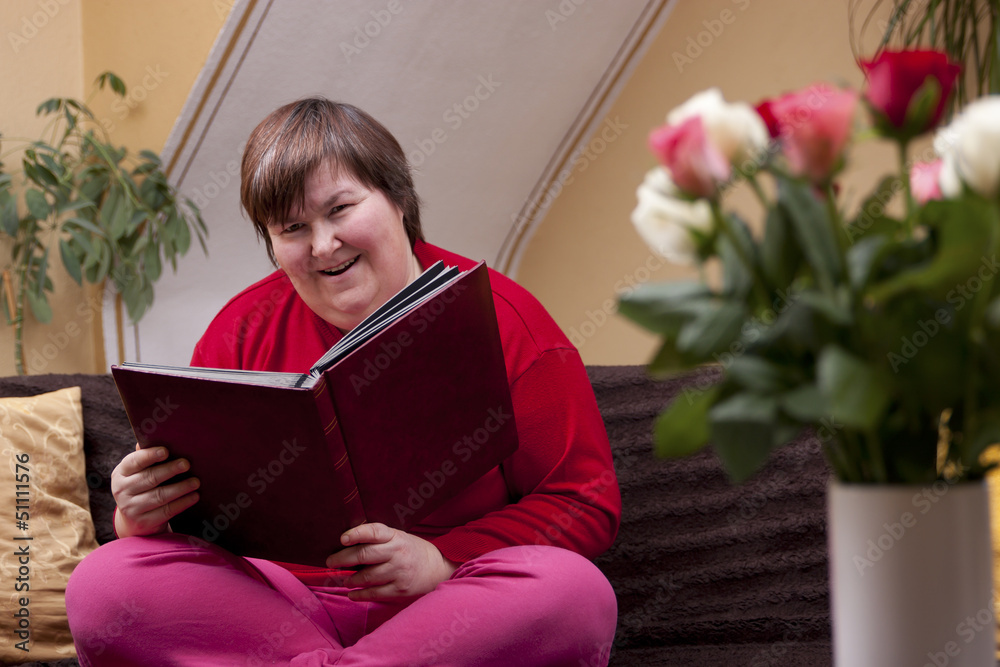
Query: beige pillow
point(41, 456)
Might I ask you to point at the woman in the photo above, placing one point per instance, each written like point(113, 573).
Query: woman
point(498, 575)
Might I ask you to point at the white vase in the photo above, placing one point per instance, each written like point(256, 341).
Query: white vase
point(911, 575)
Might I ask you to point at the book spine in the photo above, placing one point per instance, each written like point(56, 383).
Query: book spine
point(345, 481)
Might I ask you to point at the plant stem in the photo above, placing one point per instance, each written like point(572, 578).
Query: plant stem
point(759, 191)
point(22, 278)
point(904, 173)
point(977, 336)
point(759, 284)
point(877, 457)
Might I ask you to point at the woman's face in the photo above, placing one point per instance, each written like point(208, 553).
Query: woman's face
point(345, 251)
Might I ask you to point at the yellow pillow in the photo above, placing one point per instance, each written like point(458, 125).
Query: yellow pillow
point(42, 484)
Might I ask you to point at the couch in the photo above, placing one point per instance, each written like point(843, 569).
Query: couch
point(706, 573)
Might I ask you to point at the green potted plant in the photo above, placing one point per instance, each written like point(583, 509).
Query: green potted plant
point(108, 214)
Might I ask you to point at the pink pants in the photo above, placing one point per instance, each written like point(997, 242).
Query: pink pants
point(162, 601)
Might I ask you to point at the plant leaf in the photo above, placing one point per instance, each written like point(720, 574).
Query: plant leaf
point(662, 307)
point(38, 206)
point(743, 432)
point(714, 327)
point(811, 222)
point(855, 393)
point(966, 232)
point(39, 304)
point(70, 261)
point(683, 428)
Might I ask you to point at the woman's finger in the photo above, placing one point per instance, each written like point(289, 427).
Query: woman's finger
point(141, 459)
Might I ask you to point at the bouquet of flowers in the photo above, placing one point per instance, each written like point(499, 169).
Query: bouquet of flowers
point(874, 322)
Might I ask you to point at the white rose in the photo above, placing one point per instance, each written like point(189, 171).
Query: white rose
point(970, 149)
point(736, 129)
point(663, 219)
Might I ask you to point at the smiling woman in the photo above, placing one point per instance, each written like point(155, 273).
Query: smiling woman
point(329, 191)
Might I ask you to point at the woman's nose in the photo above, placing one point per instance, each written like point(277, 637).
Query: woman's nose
point(325, 240)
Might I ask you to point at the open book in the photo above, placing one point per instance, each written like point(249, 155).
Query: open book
point(402, 414)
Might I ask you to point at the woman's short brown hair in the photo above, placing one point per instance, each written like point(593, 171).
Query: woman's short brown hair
point(294, 140)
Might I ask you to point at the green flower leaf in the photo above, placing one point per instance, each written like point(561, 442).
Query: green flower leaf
point(966, 232)
point(683, 428)
point(811, 223)
point(855, 393)
point(714, 327)
point(662, 307)
point(744, 432)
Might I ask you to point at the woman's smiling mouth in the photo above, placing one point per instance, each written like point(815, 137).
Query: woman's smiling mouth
point(340, 268)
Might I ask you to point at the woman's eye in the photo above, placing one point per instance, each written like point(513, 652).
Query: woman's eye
point(337, 209)
point(295, 226)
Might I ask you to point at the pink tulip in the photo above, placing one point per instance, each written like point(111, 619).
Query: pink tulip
point(814, 125)
point(696, 166)
point(925, 182)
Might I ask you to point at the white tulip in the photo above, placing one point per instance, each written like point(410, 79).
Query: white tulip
point(663, 219)
point(970, 148)
point(736, 129)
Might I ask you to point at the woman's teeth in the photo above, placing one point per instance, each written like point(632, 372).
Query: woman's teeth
point(340, 268)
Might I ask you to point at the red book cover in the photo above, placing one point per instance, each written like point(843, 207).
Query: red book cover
point(404, 422)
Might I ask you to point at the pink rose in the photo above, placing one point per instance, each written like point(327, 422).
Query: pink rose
point(814, 126)
point(925, 183)
point(696, 166)
point(896, 80)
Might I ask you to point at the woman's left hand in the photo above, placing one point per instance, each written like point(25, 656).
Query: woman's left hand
point(395, 564)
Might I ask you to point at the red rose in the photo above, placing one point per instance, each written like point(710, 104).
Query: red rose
point(898, 79)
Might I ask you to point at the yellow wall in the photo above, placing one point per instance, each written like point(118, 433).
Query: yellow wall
point(41, 57)
point(57, 48)
point(586, 250)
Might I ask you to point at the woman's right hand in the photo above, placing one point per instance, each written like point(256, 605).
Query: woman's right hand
point(145, 507)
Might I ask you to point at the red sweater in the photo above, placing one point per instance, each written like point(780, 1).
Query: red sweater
point(559, 488)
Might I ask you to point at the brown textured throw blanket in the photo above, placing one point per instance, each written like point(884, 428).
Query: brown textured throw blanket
point(707, 573)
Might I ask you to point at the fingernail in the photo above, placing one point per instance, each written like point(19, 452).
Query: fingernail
point(182, 465)
point(161, 453)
